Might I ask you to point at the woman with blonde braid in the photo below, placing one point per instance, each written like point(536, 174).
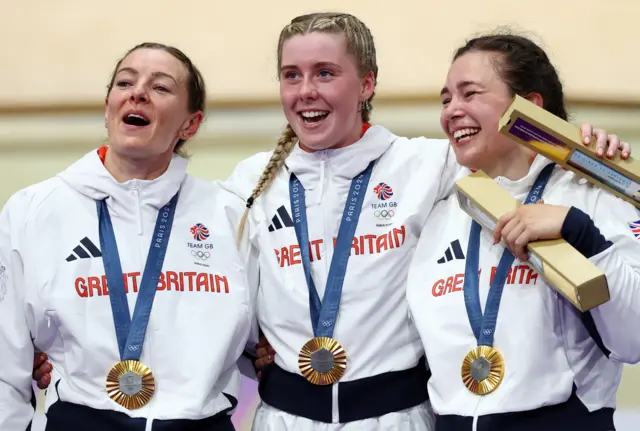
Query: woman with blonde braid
point(365, 369)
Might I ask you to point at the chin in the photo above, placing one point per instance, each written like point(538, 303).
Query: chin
point(134, 144)
point(315, 141)
point(315, 144)
point(135, 147)
point(469, 158)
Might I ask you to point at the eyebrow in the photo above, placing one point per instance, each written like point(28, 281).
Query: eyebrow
point(154, 74)
point(461, 84)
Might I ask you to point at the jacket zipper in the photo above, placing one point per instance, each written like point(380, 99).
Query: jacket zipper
point(136, 192)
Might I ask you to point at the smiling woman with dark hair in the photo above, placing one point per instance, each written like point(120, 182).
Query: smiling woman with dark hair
point(519, 356)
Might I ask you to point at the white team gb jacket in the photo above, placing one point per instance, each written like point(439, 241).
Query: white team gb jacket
point(410, 175)
point(544, 342)
point(53, 292)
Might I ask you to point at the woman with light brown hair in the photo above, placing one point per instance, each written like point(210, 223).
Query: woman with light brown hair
point(97, 270)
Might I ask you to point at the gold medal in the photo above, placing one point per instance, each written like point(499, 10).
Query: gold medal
point(482, 370)
point(322, 361)
point(130, 384)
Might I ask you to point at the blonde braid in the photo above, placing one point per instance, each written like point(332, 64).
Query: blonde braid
point(285, 144)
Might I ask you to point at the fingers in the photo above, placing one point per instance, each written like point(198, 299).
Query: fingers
point(261, 352)
point(263, 362)
point(42, 370)
point(520, 246)
point(517, 237)
point(262, 341)
point(613, 144)
point(37, 374)
point(500, 225)
point(625, 147)
point(587, 133)
point(265, 353)
point(513, 241)
point(610, 144)
point(601, 141)
point(44, 382)
point(38, 359)
point(605, 143)
point(509, 226)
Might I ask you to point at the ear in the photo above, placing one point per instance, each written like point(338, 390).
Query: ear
point(368, 86)
point(536, 98)
point(191, 125)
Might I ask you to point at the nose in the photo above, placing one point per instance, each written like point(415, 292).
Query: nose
point(308, 90)
point(139, 94)
point(452, 110)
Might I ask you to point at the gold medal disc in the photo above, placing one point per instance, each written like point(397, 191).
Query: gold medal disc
point(482, 370)
point(130, 384)
point(322, 361)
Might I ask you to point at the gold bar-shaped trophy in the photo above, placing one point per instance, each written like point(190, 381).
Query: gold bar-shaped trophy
point(556, 261)
point(561, 141)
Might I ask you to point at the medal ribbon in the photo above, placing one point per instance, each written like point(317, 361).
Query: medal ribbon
point(324, 314)
point(131, 331)
point(484, 326)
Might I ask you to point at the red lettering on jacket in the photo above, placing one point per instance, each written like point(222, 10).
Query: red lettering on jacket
point(453, 283)
point(170, 280)
point(361, 245)
point(519, 274)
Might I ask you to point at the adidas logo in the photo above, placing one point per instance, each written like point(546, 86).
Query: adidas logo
point(279, 222)
point(457, 252)
point(87, 252)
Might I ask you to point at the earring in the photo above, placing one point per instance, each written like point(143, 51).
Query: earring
point(366, 106)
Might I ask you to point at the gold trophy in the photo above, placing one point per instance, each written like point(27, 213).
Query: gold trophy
point(556, 261)
point(561, 141)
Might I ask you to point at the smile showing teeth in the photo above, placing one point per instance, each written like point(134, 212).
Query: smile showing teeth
point(313, 116)
point(464, 133)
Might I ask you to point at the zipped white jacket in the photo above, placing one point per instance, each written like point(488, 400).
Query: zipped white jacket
point(53, 292)
point(542, 337)
point(410, 175)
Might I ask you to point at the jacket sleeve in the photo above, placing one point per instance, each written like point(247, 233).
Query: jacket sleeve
point(240, 185)
point(16, 347)
point(608, 240)
point(249, 255)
